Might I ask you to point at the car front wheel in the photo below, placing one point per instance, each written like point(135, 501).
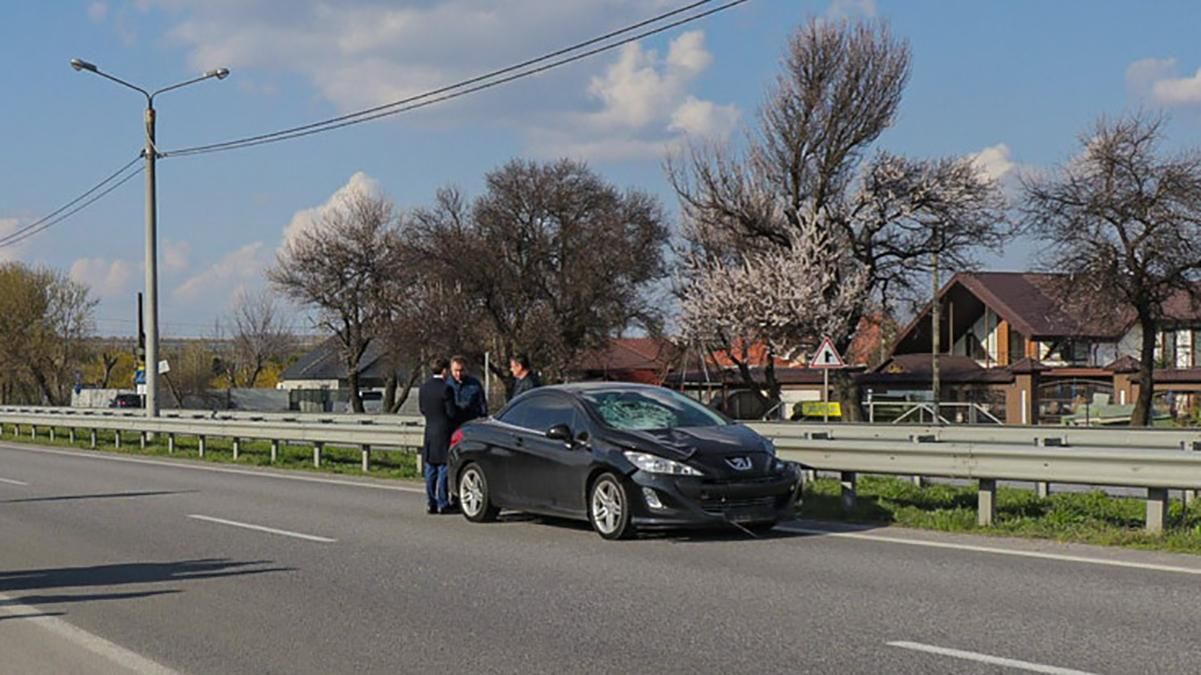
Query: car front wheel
point(609, 508)
point(474, 499)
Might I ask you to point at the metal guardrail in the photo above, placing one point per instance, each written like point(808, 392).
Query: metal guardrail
point(317, 434)
point(290, 416)
point(1155, 459)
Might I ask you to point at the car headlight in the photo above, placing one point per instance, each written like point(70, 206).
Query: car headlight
point(655, 464)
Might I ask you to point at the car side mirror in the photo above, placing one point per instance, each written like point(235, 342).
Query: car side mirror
point(559, 432)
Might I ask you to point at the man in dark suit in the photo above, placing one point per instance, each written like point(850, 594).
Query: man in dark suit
point(437, 403)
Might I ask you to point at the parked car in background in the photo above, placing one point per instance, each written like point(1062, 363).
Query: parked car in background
point(126, 401)
point(624, 457)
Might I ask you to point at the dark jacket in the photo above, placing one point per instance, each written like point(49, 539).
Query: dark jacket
point(470, 401)
point(521, 386)
point(437, 404)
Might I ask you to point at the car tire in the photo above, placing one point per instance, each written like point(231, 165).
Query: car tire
point(475, 501)
point(609, 508)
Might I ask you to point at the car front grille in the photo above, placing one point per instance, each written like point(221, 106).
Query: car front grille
point(720, 505)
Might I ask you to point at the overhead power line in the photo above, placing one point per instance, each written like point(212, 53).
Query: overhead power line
point(473, 84)
point(91, 196)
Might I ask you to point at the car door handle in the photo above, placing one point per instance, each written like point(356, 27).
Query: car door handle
point(518, 440)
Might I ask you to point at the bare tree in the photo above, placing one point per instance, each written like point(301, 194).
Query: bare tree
point(555, 260)
point(857, 233)
point(341, 268)
point(259, 333)
point(1124, 222)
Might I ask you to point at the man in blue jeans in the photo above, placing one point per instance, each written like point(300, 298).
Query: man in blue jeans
point(437, 403)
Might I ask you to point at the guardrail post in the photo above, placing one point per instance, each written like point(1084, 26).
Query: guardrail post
point(171, 443)
point(71, 435)
point(274, 451)
point(848, 490)
point(317, 454)
point(1157, 508)
point(33, 431)
point(1190, 496)
point(201, 442)
point(237, 448)
point(420, 463)
point(987, 508)
point(366, 458)
point(142, 439)
point(93, 439)
point(1043, 488)
point(919, 481)
point(117, 439)
point(51, 434)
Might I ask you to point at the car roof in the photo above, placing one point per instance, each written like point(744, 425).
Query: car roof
point(580, 387)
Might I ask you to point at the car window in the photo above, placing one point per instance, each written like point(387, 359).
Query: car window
point(649, 409)
point(541, 413)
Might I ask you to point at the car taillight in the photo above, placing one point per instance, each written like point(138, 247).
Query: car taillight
point(456, 437)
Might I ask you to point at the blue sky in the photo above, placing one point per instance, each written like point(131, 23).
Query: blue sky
point(1014, 82)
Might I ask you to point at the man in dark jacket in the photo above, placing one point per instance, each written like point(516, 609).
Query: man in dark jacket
point(437, 404)
point(524, 379)
point(470, 400)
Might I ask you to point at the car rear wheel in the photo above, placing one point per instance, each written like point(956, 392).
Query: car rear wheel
point(609, 508)
point(474, 499)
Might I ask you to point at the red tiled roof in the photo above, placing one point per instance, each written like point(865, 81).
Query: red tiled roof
point(629, 354)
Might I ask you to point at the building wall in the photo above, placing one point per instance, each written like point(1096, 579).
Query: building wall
point(985, 330)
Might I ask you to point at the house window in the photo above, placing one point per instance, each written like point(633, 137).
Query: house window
point(1017, 346)
point(974, 347)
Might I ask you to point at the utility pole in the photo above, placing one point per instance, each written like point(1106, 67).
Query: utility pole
point(936, 336)
point(151, 262)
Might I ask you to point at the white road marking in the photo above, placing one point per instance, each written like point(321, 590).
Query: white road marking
point(217, 469)
point(93, 643)
point(261, 528)
point(991, 660)
point(998, 551)
point(13, 482)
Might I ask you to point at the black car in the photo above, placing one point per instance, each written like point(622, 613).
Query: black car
point(623, 457)
point(126, 401)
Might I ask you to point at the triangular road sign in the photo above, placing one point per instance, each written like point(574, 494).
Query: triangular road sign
point(827, 356)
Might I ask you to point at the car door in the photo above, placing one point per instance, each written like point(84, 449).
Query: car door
point(540, 467)
point(569, 465)
point(508, 467)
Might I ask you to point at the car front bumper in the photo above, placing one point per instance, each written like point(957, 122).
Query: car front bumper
point(690, 501)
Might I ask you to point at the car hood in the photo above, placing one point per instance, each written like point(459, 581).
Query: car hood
point(692, 442)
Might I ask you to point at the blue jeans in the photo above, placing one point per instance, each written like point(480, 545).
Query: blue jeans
point(435, 486)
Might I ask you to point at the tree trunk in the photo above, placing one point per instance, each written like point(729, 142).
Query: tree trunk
point(1141, 416)
point(352, 379)
point(390, 392)
point(846, 392)
point(414, 376)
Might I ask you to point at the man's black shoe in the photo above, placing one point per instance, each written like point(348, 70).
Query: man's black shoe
point(449, 509)
point(431, 510)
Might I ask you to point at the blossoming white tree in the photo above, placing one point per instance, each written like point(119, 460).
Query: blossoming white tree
point(799, 234)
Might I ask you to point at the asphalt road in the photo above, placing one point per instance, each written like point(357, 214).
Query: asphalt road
point(117, 564)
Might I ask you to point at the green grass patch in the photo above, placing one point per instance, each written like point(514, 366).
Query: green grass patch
point(1083, 517)
point(341, 460)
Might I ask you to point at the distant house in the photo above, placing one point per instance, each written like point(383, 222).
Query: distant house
point(645, 359)
point(1011, 343)
point(318, 381)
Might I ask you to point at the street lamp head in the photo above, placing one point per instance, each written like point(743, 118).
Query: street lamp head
point(80, 64)
point(220, 73)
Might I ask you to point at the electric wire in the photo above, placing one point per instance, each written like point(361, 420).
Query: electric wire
point(50, 219)
point(44, 224)
point(462, 88)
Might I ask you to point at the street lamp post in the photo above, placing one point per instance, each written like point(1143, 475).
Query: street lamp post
point(151, 155)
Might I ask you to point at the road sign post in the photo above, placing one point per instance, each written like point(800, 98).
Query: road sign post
point(826, 358)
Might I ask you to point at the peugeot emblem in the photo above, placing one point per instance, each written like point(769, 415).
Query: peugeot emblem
point(739, 463)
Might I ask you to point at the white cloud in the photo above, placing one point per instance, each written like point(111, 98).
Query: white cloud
point(175, 255)
point(704, 118)
point(307, 219)
point(97, 11)
point(235, 269)
point(1156, 79)
point(646, 109)
point(106, 278)
point(851, 9)
point(994, 161)
point(13, 252)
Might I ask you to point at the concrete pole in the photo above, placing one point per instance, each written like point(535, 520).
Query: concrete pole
point(151, 262)
point(848, 480)
point(366, 458)
point(274, 451)
point(986, 513)
point(1157, 509)
point(935, 338)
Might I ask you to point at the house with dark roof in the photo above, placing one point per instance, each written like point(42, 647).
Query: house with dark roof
point(641, 359)
point(1020, 344)
point(317, 381)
